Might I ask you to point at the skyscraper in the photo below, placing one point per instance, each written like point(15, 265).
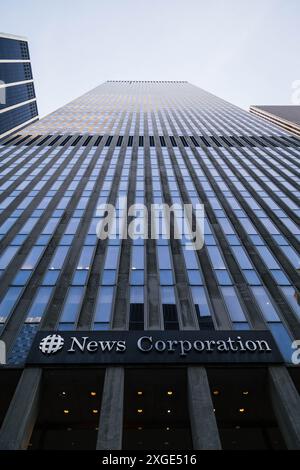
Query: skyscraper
point(143, 342)
point(18, 106)
point(287, 117)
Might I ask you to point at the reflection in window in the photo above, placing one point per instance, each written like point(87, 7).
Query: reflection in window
point(72, 305)
point(39, 305)
point(8, 302)
point(233, 304)
point(292, 295)
point(103, 307)
point(265, 304)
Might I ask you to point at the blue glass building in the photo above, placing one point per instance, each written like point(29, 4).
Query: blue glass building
point(18, 106)
point(153, 142)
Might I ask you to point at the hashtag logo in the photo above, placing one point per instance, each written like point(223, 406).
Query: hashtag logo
point(51, 344)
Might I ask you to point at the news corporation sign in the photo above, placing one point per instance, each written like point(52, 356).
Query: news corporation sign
point(153, 347)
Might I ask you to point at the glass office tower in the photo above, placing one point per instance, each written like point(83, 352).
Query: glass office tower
point(163, 142)
point(18, 106)
point(287, 117)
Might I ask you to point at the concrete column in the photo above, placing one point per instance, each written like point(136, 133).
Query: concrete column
point(205, 432)
point(111, 416)
point(286, 405)
point(21, 416)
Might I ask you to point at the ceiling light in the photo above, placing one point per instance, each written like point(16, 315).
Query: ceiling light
point(140, 392)
point(93, 394)
point(168, 411)
point(95, 411)
point(170, 393)
point(140, 410)
point(216, 392)
point(66, 412)
point(242, 410)
point(245, 392)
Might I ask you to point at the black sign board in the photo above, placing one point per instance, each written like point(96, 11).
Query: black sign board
point(153, 347)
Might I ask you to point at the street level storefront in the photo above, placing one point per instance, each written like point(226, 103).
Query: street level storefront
point(148, 390)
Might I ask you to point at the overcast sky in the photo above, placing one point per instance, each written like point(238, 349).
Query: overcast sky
point(245, 51)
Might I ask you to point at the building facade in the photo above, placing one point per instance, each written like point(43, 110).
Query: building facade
point(18, 106)
point(287, 117)
point(151, 142)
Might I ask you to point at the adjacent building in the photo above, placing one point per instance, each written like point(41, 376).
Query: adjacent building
point(286, 117)
point(142, 342)
point(18, 106)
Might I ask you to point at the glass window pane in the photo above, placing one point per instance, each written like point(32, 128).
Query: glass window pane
point(40, 302)
point(216, 258)
point(265, 303)
point(200, 299)
point(168, 295)
point(234, 307)
point(8, 302)
point(137, 257)
point(33, 257)
point(21, 278)
point(136, 295)
point(72, 304)
point(104, 304)
point(163, 255)
point(50, 278)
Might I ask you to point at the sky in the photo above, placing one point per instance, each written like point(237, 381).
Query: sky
point(245, 51)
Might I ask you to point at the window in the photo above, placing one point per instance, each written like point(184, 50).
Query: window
point(201, 302)
point(7, 256)
point(86, 256)
point(216, 258)
point(39, 305)
point(104, 304)
point(170, 317)
point(72, 305)
point(168, 295)
point(251, 277)
point(241, 257)
point(80, 278)
point(59, 257)
point(112, 256)
point(136, 295)
point(234, 307)
point(265, 304)
point(8, 302)
point(136, 317)
point(50, 278)
point(267, 257)
point(195, 278)
point(21, 278)
point(163, 255)
point(137, 257)
point(280, 277)
point(137, 277)
point(33, 257)
point(223, 278)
